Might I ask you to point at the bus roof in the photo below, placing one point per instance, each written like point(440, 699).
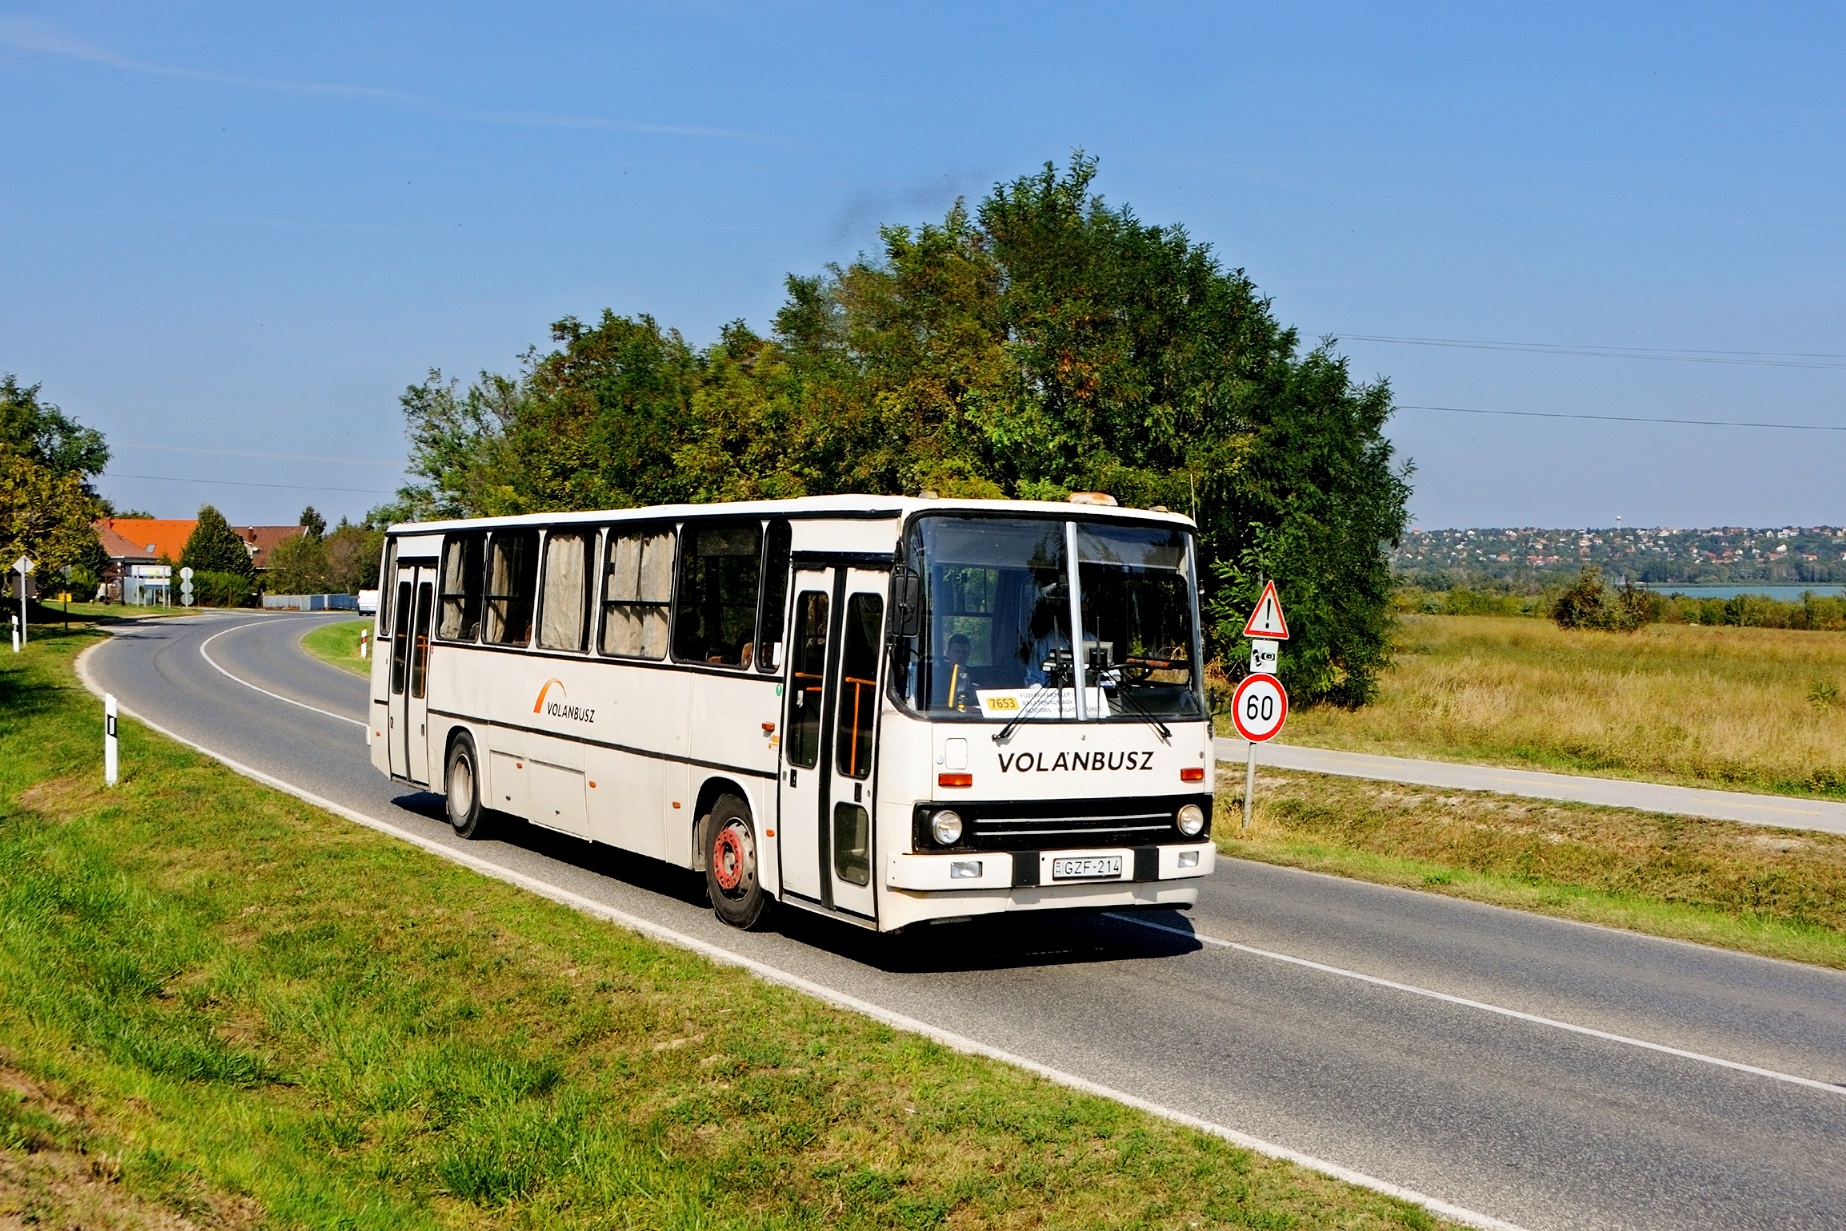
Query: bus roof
point(844, 506)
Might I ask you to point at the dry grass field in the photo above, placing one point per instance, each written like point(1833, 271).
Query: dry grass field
point(1774, 892)
point(1738, 708)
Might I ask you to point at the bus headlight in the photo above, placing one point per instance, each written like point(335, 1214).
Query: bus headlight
point(945, 827)
point(1190, 819)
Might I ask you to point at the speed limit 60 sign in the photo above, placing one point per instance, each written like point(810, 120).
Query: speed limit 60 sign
point(1259, 707)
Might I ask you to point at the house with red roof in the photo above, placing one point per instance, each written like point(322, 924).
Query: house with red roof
point(153, 540)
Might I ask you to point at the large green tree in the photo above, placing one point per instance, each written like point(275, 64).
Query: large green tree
point(47, 505)
point(1043, 342)
point(214, 547)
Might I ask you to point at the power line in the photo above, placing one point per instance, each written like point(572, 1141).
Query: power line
point(1823, 360)
point(300, 487)
point(1560, 414)
point(287, 457)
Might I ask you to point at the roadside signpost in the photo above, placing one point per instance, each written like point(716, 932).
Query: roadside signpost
point(111, 760)
point(22, 566)
point(185, 586)
point(1259, 707)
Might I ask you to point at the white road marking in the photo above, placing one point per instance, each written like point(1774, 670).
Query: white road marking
point(247, 684)
point(1484, 1007)
point(774, 974)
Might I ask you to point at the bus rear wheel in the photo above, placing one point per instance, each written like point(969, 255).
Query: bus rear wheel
point(461, 780)
point(731, 865)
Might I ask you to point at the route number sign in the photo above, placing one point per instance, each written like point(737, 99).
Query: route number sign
point(1259, 707)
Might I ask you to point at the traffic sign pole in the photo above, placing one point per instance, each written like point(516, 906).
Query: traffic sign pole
point(1259, 707)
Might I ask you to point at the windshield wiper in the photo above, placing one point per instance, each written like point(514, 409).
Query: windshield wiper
point(1124, 692)
point(1053, 686)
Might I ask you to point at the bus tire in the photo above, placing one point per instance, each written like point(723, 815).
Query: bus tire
point(461, 783)
point(731, 864)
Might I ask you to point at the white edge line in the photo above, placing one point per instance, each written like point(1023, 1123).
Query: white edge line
point(775, 975)
point(1484, 1007)
point(247, 684)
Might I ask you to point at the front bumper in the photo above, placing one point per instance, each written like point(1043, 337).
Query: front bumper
point(1009, 870)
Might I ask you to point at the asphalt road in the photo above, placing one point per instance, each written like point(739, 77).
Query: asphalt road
point(1519, 1068)
point(1782, 811)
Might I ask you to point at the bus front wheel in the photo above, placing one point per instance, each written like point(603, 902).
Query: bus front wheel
point(731, 865)
point(461, 779)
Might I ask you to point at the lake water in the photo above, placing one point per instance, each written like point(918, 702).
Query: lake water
point(1791, 594)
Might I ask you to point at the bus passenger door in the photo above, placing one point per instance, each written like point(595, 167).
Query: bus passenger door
point(802, 789)
point(409, 706)
point(830, 722)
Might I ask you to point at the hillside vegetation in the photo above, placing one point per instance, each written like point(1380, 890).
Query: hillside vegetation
point(1739, 708)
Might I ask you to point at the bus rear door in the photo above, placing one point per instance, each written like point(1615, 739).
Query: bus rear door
point(408, 732)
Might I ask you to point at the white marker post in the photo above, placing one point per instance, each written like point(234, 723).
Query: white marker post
point(365, 643)
point(22, 566)
point(1259, 707)
point(111, 760)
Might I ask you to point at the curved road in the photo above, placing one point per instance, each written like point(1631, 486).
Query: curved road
point(1504, 1066)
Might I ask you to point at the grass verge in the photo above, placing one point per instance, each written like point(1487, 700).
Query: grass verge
point(245, 1011)
point(1754, 709)
point(1775, 892)
point(338, 644)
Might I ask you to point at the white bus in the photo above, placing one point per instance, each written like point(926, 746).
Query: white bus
point(862, 706)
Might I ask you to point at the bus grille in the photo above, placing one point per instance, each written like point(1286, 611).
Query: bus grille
point(1063, 824)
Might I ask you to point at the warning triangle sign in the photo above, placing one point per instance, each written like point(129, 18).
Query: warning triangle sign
point(1266, 620)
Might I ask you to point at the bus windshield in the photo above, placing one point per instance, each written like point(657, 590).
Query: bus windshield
point(995, 640)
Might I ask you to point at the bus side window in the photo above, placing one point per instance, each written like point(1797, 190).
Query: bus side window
point(461, 587)
point(637, 593)
point(806, 678)
point(564, 611)
point(861, 636)
point(387, 588)
point(720, 564)
point(775, 596)
point(512, 575)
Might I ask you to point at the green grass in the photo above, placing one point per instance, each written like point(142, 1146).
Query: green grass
point(249, 1012)
point(1751, 709)
point(338, 644)
point(1775, 892)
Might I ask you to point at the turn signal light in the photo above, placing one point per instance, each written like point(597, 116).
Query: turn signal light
point(954, 779)
point(1192, 773)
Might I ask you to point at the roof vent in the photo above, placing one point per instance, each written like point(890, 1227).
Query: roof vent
point(1160, 508)
point(1091, 498)
point(928, 493)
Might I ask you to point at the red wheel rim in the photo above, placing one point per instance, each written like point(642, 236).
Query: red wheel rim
point(728, 859)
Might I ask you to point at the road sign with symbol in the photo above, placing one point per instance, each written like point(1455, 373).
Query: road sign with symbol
point(1266, 620)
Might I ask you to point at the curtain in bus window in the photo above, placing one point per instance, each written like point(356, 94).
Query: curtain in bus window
point(512, 574)
point(461, 587)
point(638, 593)
point(563, 614)
point(858, 704)
point(806, 679)
point(719, 567)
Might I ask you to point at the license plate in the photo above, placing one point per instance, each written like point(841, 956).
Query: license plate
point(1086, 869)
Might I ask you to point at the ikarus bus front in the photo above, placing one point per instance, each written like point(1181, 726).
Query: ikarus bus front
point(885, 710)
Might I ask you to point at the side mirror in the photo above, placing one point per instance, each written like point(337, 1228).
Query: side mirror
point(906, 603)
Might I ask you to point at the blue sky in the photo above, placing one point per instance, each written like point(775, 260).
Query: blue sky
point(246, 228)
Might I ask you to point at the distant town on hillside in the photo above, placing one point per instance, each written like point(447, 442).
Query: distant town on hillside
point(1529, 558)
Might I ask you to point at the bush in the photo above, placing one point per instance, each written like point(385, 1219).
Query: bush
point(1588, 602)
point(1814, 611)
point(215, 589)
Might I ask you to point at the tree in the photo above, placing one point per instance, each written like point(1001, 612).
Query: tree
point(312, 522)
point(46, 504)
point(214, 546)
point(298, 565)
point(1041, 342)
point(353, 554)
point(46, 434)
